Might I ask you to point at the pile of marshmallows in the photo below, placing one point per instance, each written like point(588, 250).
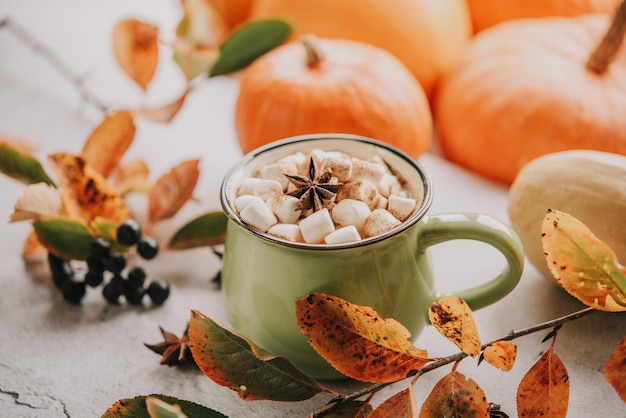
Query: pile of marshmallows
point(371, 201)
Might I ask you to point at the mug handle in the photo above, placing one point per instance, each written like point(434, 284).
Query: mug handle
point(451, 226)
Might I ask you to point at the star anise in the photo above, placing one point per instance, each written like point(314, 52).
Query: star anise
point(174, 350)
point(315, 189)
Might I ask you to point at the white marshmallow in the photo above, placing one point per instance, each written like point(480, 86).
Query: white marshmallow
point(316, 226)
point(343, 235)
point(277, 172)
point(266, 188)
point(379, 222)
point(366, 170)
point(284, 207)
point(257, 214)
point(242, 201)
point(296, 158)
point(389, 185)
point(401, 207)
point(382, 202)
point(350, 212)
point(247, 185)
point(362, 190)
point(289, 232)
point(340, 166)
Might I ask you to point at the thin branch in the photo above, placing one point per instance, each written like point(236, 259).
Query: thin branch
point(54, 60)
point(553, 324)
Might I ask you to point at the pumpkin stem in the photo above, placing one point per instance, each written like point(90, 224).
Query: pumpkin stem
point(314, 54)
point(606, 51)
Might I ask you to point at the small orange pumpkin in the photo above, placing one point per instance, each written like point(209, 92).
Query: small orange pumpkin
point(486, 13)
point(233, 12)
point(353, 88)
point(426, 35)
point(527, 88)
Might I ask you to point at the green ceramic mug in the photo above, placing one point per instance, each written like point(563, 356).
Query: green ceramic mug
point(262, 276)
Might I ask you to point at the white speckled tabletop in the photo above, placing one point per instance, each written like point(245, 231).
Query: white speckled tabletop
point(59, 360)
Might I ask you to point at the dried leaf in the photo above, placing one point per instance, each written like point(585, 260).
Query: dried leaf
point(234, 362)
point(453, 318)
point(585, 266)
point(501, 354)
point(136, 408)
point(194, 61)
point(249, 42)
point(18, 164)
point(136, 49)
point(32, 249)
point(351, 409)
point(544, 390)
point(201, 25)
point(39, 199)
point(157, 408)
point(85, 193)
point(615, 369)
point(205, 230)
point(400, 405)
point(64, 237)
point(163, 113)
point(356, 340)
point(106, 144)
point(172, 190)
point(455, 396)
point(131, 176)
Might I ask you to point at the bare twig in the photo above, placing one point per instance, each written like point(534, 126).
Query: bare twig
point(554, 324)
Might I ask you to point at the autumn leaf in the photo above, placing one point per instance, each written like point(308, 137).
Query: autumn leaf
point(136, 49)
point(18, 164)
point(232, 361)
point(455, 396)
point(108, 142)
point(136, 408)
point(501, 354)
point(201, 24)
point(351, 409)
point(38, 200)
point(163, 113)
point(131, 176)
point(85, 193)
point(585, 266)
point(356, 340)
point(544, 390)
point(32, 249)
point(615, 369)
point(194, 61)
point(400, 405)
point(453, 318)
point(157, 408)
point(205, 230)
point(66, 238)
point(172, 190)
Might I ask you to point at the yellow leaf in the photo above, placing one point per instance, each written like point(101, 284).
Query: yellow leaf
point(131, 176)
point(39, 199)
point(136, 49)
point(453, 318)
point(585, 266)
point(194, 61)
point(85, 194)
point(615, 369)
point(172, 190)
point(544, 390)
point(400, 405)
point(108, 142)
point(455, 396)
point(501, 354)
point(356, 340)
point(163, 113)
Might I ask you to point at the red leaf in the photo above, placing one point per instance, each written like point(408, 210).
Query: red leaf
point(400, 405)
point(615, 369)
point(455, 396)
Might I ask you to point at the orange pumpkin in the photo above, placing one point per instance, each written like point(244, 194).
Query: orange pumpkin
point(486, 13)
point(353, 88)
point(523, 89)
point(426, 35)
point(233, 12)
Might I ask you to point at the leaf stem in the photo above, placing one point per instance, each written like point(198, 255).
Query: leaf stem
point(54, 60)
point(607, 49)
point(552, 324)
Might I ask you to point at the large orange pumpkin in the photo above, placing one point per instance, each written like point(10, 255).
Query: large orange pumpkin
point(426, 35)
point(233, 12)
point(353, 88)
point(524, 89)
point(486, 13)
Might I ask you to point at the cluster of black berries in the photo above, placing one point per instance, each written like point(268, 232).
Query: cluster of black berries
point(103, 264)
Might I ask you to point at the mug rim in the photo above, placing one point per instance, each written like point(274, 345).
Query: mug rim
point(249, 157)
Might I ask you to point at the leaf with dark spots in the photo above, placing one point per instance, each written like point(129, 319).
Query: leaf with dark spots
point(453, 318)
point(455, 396)
point(350, 409)
point(136, 408)
point(615, 369)
point(400, 405)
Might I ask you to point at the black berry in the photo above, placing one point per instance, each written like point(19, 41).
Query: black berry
point(73, 291)
point(111, 293)
point(133, 295)
point(115, 263)
point(136, 277)
point(60, 270)
point(95, 264)
point(147, 247)
point(100, 248)
point(158, 291)
point(94, 278)
point(129, 233)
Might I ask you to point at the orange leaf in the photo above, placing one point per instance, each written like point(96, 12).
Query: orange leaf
point(453, 318)
point(585, 266)
point(163, 113)
point(172, 190)
point(501, 354)
point(33, 250)
point(39, 199)
point(356, 340)
point(85, 194)
point(136, 49)
point(544, 390)
point(108, 142)
point(455, 396)
point(201, 25)
point(615, 369)
point(400, 405)
point(130, 176)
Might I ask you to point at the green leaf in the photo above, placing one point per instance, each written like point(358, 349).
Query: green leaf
point(136, 408)
point(352, 409)
point(248, 43)
point(64, 237)
point(231, 361)
point(161, 409)
point(107, 230)
point(206, 230)
point(22, 167)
